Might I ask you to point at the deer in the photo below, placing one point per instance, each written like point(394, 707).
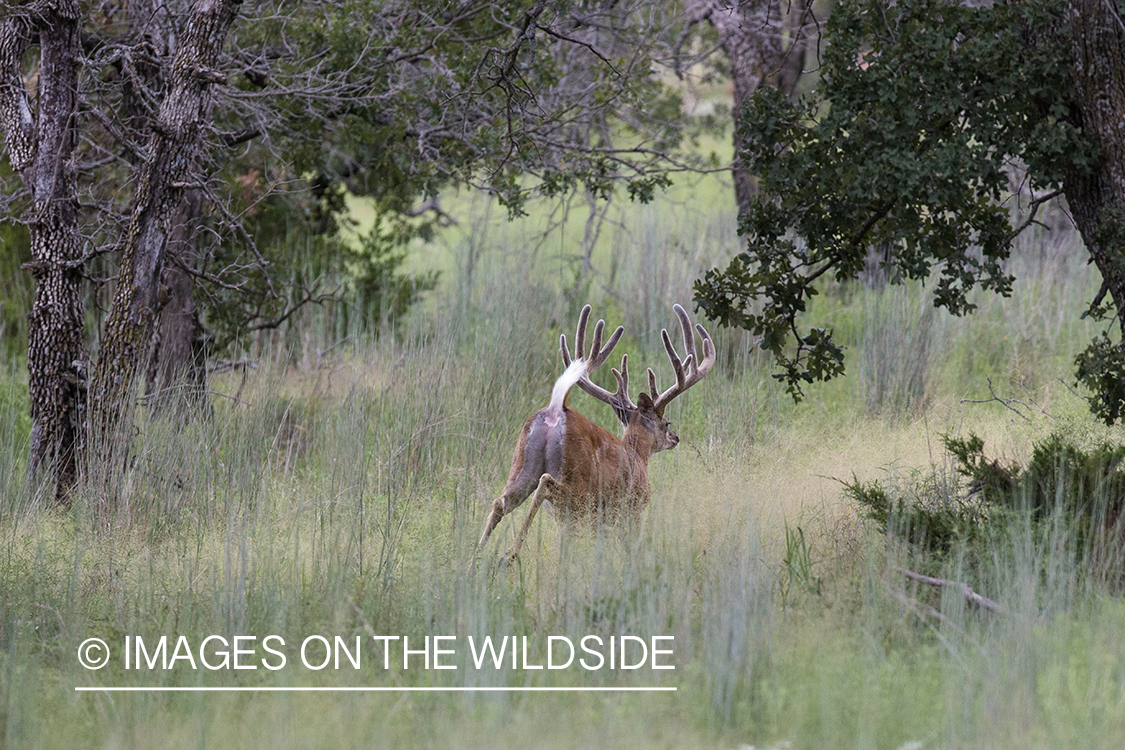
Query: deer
point(582, 468)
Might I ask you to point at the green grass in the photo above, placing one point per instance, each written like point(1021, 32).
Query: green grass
point(345, 498)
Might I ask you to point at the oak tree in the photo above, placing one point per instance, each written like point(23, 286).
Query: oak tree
point(149, 141)
point(929, 115)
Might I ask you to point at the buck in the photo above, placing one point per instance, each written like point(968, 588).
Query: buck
point(583, 469)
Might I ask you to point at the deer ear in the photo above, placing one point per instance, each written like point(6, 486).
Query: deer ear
point(644, 401)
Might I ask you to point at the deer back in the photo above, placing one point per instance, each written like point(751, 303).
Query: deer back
point(601, 469)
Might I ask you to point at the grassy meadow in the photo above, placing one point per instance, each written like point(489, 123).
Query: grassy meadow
point(343, 481)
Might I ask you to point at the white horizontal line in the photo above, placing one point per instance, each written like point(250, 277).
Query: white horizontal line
point(366, 689)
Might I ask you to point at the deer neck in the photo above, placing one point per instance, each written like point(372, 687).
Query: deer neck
point(639, 443)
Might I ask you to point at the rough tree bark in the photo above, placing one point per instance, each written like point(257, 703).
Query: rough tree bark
point(176, 381)
point(172, 151)
point(763, 42)
point(792, 63)
point(1097, 199)
point(177, 372)
point(39, 148)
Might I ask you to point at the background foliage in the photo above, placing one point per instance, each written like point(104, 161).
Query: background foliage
point(340, 479)
point(935, 134)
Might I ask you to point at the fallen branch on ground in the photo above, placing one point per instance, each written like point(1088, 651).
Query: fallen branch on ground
point(966, 591)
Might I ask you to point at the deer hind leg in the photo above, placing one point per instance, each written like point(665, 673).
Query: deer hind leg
point(532, 460)
point(512, 497)
point(547, 484)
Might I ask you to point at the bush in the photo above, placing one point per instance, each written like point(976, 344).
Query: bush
point(382, 289)
point(1083, 488)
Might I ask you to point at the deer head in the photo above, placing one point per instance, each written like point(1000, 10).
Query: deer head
point(646, 416)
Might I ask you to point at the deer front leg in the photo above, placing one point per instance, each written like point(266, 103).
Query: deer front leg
point(547, 483)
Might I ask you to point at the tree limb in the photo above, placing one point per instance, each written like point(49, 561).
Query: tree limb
point(966, 591)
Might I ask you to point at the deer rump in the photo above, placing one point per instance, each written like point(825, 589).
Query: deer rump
point(583, 458)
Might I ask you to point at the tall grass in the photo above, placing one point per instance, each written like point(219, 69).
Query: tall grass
point(342, 494)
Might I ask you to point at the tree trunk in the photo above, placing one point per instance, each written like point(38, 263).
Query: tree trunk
point(176, 379)
point(792, 65)
point(39, 148)
point(752, 37)
point(177, 374)
point(1097, 199)
point(171, 155)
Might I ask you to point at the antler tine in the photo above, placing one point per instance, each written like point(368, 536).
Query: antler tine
point(689, 371)
point(677, 365)
point(564, 350)
point(708, 362)
point(689, 338)
point(622, 378)
point(580, 334)
point(594, 349)
point(598, 354)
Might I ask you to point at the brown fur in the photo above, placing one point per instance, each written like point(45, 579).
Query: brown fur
point(601, 469)
point(584, 470)
point(603, 477)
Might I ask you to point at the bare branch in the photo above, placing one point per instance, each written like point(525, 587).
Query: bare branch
point(309, 296)
point(972, 597)
point(1033, 210)
point(1006, 402)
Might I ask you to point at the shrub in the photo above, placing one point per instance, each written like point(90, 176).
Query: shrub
point(1083, 488)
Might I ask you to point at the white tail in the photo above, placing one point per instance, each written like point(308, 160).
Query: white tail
point(573, 373)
